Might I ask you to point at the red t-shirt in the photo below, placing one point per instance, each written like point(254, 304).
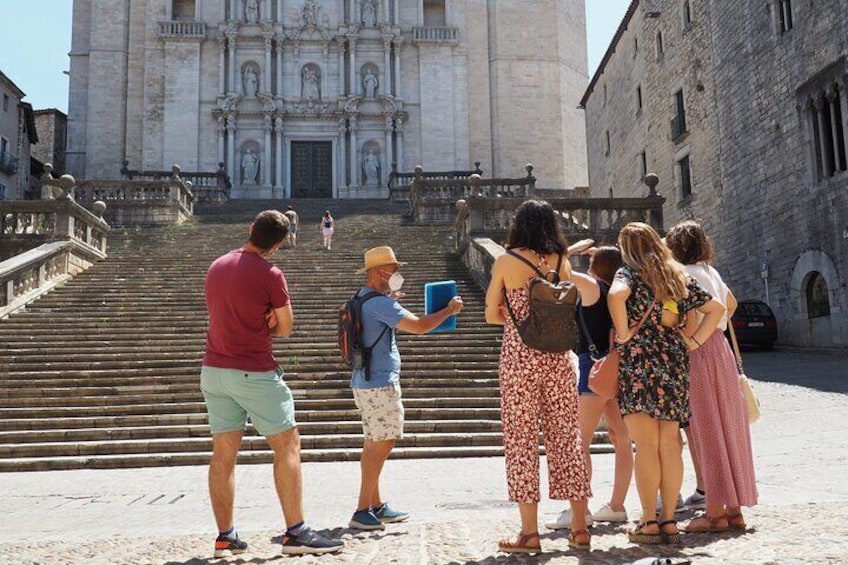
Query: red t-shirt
point(241, 287)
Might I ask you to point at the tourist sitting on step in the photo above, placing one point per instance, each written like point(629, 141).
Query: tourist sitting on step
point(248, 303)
point(376, 388)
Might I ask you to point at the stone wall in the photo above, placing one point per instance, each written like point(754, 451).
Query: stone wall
point(753, 181)
point(52, 128)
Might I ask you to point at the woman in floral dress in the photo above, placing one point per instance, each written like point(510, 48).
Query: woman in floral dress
point(654, 371)
point(538, 390)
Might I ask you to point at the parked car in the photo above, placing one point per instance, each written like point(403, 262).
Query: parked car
point(755, 324)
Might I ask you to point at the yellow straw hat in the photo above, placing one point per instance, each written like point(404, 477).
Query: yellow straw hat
point(377, 257)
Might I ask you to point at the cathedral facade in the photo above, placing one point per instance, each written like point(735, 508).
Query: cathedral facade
point(321, 98)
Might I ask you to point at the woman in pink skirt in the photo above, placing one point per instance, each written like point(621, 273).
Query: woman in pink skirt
point(719, 424)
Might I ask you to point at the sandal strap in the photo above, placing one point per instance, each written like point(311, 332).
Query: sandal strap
point(666, 522)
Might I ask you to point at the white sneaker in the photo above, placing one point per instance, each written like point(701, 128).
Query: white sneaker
point(696, 501)
point(607, 514)
point(563, 521)
point(679, 508)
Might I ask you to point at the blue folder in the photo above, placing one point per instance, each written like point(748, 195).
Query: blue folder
point(436, 296)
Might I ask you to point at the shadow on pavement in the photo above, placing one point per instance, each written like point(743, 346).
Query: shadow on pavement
point(826, 372)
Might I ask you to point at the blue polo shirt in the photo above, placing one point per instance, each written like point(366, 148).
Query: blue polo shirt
point(377, 314)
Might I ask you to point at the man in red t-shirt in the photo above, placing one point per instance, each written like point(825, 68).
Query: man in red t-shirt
point(248, 303)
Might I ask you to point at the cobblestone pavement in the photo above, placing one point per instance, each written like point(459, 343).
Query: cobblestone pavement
point(160, 515)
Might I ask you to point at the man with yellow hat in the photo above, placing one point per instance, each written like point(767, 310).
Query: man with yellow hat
point(376, 388)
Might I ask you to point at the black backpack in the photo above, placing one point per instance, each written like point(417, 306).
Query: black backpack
point(354, 353)
point(551, 325)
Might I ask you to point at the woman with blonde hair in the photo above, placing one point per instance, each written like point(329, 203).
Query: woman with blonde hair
point(719, 425)
point(537, 387)
point(654, 372)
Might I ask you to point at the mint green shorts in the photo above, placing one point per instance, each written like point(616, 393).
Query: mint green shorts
point(232, 395)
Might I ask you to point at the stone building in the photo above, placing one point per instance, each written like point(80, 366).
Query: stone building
point(743, 117)
point(52, 125)
point(17, 134)
point(320, 97)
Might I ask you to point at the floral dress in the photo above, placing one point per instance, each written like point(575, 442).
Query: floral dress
point(654, 370)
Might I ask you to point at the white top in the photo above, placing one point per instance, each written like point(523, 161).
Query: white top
point(709, 278)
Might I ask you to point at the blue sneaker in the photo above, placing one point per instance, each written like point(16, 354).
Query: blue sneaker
point(226, 545)
point(309, 542)
point(388, 515)
point(366, 520)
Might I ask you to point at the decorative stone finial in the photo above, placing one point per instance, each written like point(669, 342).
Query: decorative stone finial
point(175, 171)
point(529, 168)
point(461, 204)
point(419, 170)
point(651, 180)
point(67, 184)
point(99, 208)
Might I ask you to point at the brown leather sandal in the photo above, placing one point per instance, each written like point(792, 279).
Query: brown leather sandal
point(737, 521)
point(706, 524)
point(638, 535)
point(670, 538)
point(522, 544)
point(573, 541)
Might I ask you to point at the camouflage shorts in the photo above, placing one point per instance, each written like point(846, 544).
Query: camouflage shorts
point(382, 412)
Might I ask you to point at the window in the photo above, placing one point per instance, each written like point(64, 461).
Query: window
point(434, 13)
point(660, 45)
point(183, 10)
point(638, 98)
point(818, 301)
point(685, 177)
point(686, 14)
point(4, 144)
point(643, 163)
point(608, 143)
point(2, 191)
point(5, 102)
point(678, 124)
point(784, 14)
point(826, 130)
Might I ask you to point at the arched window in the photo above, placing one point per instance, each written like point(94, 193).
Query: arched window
point(818, 302)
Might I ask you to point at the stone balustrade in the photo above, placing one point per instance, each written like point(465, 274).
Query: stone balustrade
point(43, 243)
point(433, 201)
point(435, 34)
point(206, 186)
point(182, 29)
point(399, 183)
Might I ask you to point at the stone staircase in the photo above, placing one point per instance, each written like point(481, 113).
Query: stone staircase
point(103, 372)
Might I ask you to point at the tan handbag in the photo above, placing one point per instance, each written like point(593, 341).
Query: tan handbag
point(752, 403)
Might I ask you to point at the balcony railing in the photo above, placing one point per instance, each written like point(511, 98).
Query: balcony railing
point(435, 34)
point(182, 29)
point(8, 163)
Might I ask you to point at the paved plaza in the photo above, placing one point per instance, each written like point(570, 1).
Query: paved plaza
point(162, 515)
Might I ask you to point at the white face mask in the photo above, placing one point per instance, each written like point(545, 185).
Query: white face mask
point(395, 282)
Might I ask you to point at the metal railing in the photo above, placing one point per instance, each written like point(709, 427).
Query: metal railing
point(8, 163)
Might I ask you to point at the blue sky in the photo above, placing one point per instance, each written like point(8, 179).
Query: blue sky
point(34, 51)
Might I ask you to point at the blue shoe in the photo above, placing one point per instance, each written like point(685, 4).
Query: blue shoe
point(309, 542)
point(226, 545)
point(389, 516)
point(366, 520)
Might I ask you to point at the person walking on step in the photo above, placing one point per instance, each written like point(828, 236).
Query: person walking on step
point(328, 227)
point(376, 388)
point(248, 303)
point(294, 222)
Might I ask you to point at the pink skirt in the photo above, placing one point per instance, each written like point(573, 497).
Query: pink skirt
point(720, 425)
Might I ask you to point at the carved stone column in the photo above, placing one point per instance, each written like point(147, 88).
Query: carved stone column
point(266, 82)
point(341, 44)
point(279, 47)
point(354, 88)
point(234, 11)
point(224, 9)
point(231, 45)
point(342, 154)
point(399, 156)
point(354, 161)
point(266, 160)
point(278, 163)
point(397, 41)
point(265, 16)
point(397, 12)
point(832, 97)
point(386, 74)
point(231, 149)
point(279, 10)
point(222, 64)
point(221, 129)
point(388, 159)
point(325, 73)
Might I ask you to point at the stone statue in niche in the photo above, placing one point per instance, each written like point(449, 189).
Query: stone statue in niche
point(310, 88)
point(369, 81)
point(251, 11)
point(369, 14)
point(371, 166)
point(251, 82)
point(310, 13)
point(249, 167)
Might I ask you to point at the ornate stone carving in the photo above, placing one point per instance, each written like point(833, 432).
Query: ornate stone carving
point(229, 103)
point(251, 82)
point(310, 83)
point(249, 167)
point(310, 13)
point(369, 13)
point(268, 102)
point(371, 168)
point(251, 11)
point(369, 83)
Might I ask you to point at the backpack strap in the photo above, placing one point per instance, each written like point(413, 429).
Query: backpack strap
point(366, 351)
point(593, 349)
point(526, 262)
